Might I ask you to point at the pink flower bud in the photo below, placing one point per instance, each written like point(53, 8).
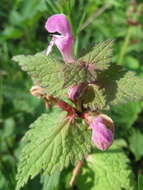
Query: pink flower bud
point(76, 91)
point(102, 131)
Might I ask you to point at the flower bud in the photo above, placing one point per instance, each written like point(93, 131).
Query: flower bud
point(76, 91)
point(102, 131)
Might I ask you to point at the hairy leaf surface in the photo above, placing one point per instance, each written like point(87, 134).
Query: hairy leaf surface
point(46, 71)
point(129, 88)
point(76, 73)
point(98, 100)
point(51, 144)
point(100, 55)
point(107, 170)
point(120, 86)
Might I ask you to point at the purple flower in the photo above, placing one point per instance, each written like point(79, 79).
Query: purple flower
point(64, 40)
point(102, 131)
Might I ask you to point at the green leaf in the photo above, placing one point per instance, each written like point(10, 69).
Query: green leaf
point(140, 182)
point(107, 170)
point(129, 88)
point(89, 95)
point(99, 100)
point(46, 71)
point(76, 73)
point(51, 144)
point(120, 86)
point(100, 55)
point(136, 143)
point(125, 115)
point(51, 182)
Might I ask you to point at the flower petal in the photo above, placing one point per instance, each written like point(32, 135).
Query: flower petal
point(58, 23)
point(101, 135)
point(64, 41)
point(65, 44)
point(76, 91)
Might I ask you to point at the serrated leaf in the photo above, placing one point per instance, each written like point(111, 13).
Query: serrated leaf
point(120, 86)
point(100, 55)
point(88, 95)
point(76, 73)
point(107, 170)
point(99, 100)
point(46, 71)
point(51, 144)
point(129, 88)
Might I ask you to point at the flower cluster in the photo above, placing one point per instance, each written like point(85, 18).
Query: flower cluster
point(101, 125)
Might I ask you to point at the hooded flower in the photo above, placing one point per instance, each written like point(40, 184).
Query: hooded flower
point(102, 130)
point(64, 40)
point(76, 91)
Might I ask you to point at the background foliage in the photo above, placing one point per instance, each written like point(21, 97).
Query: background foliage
point(22, 32)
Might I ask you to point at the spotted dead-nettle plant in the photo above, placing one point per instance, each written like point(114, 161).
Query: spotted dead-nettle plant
point(80, 92)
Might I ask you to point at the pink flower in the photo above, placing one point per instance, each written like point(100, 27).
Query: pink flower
point(76, 91)
point(64, 41)
point(102, 130)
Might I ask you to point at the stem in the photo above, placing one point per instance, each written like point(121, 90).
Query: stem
point(125, 45)
point(76, 171)
point(96, 14)
point(79, 106)
point(50, 100)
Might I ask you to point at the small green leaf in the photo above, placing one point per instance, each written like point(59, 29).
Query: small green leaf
point(46, 71)
point(51, 144)
point(100, 55)
point(136, 143)
point(99, 100)
point(107, 170)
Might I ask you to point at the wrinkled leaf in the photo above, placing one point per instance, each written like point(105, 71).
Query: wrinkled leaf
point(46, 71)
point(76, 73)
point(107, 170)
point(100, 55)
point(120, 86)
point(51, 144)
point(99, 100)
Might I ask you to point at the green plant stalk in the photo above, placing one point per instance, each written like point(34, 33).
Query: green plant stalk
point(1, 97)
point(125, 45)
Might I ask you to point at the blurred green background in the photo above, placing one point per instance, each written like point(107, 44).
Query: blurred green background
point(22, 32)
